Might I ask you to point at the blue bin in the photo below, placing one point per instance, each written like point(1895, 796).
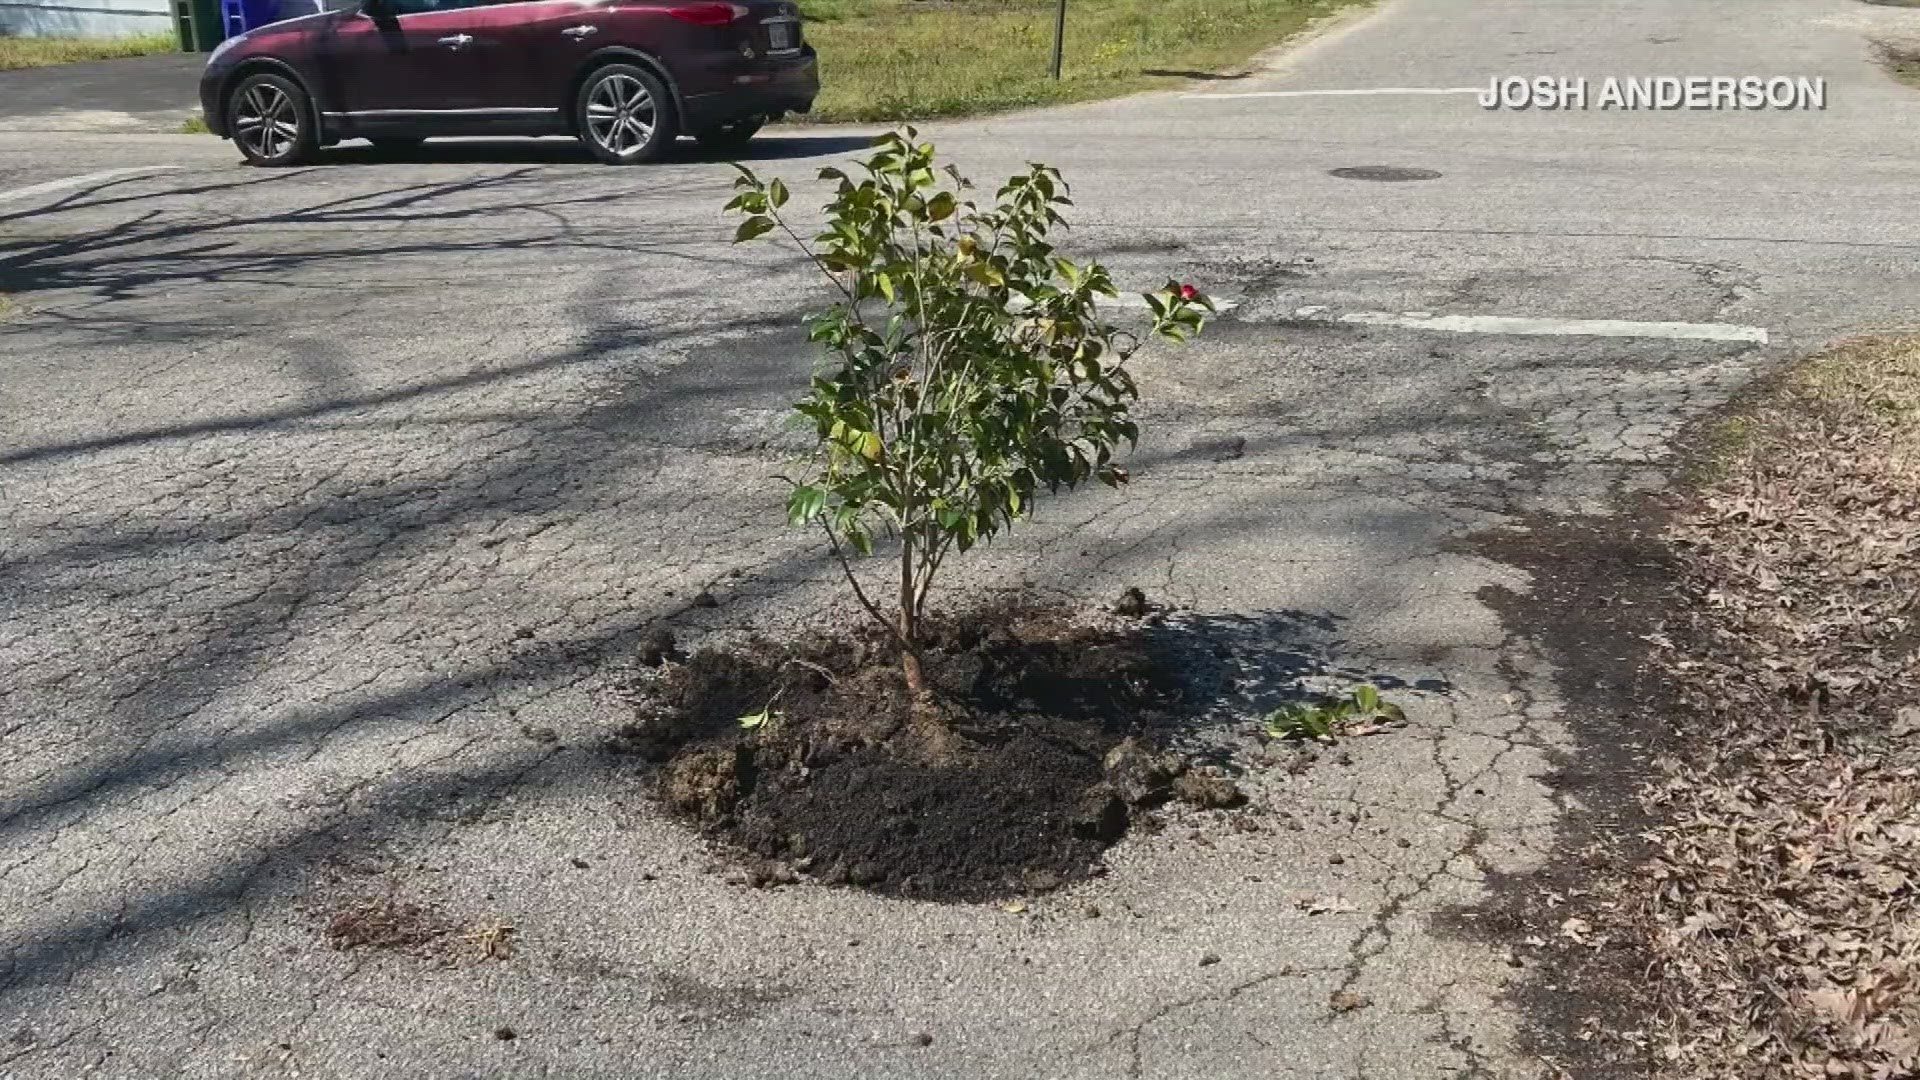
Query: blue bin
point(240, 16)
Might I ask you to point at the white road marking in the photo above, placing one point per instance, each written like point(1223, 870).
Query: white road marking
point(52, 186)
point(1530, 327)
point(1379, 91)
point(1221, 304)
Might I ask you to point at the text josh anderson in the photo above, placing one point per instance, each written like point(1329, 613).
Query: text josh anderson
point(1717, 92)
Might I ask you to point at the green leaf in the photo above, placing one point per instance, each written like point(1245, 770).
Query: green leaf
point(986, 274)
point(1366, 698)
point(754, 720)
point(1300, 721)
point(752, 227)
point(805, 504)
point(777, 193)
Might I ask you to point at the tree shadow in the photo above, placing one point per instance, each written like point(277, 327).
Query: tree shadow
point(1239, 665)
point(1236, 667)
point(779, 145)
point(565, 150)
point(1198, 76)
point(355, 536)
point(151, 248)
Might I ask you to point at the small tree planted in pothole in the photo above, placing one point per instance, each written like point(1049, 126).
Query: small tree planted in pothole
point(966, 369)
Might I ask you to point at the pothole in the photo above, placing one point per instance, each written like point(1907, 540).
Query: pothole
point(1390, 174)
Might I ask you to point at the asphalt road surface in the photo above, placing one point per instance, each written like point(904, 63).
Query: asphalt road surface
point(326, 497)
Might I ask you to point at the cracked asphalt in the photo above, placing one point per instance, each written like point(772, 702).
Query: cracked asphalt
point(329, 499)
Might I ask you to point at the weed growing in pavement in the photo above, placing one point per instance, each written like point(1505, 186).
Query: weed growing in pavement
point(1360, 712)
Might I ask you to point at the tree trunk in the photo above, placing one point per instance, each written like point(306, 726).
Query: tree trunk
point(909, 625)
point(910, 667)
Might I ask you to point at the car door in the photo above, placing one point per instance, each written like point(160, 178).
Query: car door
point(406, 60)
point(539, 46)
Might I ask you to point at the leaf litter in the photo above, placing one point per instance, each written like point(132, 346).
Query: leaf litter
point(1784, 908)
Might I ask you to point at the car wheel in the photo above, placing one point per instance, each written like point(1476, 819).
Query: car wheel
point(395, 145)
point(625, 115)
point(271, 122)
point(731, 136)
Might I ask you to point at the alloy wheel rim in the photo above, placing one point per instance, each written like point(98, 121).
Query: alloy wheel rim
point(266, 121)
point(620, 114)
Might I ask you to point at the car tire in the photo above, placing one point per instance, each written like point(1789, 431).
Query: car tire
point(272, 121)
point(395, 146)
point(624, 115)
point(731, 136)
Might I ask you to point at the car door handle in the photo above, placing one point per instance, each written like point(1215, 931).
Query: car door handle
point(579, 32)
point(457, 41)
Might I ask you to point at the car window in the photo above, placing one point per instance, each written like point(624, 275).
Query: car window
point(421, 7)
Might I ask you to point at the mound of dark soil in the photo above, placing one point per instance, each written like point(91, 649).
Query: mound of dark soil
point(1025, 761)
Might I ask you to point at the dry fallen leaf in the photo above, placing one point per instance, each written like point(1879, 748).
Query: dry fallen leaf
point(494, 940)
point(1324, 905)
point(1781, 905)
point(1345, 1001)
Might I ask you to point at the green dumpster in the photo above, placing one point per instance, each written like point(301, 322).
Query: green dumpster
point(197, 25)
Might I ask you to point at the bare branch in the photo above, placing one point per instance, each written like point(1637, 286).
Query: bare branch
point(859, 593)
point(813, 667)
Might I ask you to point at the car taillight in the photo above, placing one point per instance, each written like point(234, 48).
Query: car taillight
point(707, 14)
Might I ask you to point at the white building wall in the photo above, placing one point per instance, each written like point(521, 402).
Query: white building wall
point(85, 18)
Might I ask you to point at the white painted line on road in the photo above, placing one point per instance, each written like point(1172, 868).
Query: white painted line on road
point(52, 186)
point(1500, 324)
point(1221, 304)
point(1380, 91)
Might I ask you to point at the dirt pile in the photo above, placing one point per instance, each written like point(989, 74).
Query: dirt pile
point(1031, 755)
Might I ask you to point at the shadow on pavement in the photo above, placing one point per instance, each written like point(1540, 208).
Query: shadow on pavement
point(568, 151)
point(151, 727)
point(1237, 666)
point(152, 248)
point(1197, 76)
point(1232, 662)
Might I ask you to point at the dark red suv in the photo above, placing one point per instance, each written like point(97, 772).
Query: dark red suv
point(627, 77)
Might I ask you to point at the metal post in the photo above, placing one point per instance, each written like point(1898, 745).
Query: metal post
point(1059, 36)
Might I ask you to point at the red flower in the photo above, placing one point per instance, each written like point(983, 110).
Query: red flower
point(1188, 292)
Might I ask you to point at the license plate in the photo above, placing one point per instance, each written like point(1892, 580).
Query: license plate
point(780, 36)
